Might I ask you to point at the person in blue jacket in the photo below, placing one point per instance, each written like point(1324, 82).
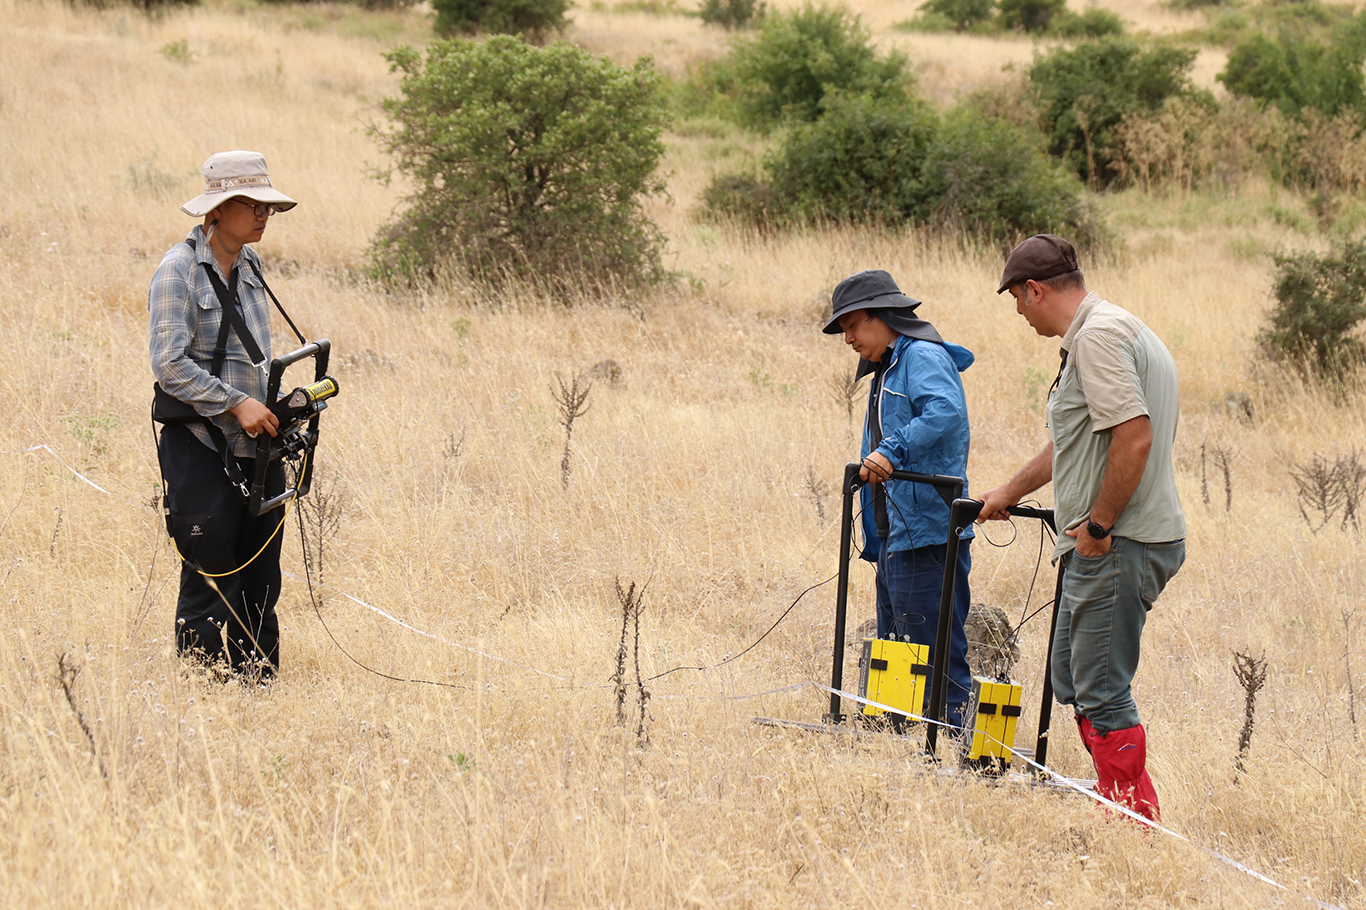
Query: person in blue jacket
point(917, 421)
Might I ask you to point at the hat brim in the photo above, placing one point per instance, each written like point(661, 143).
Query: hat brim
point(881, 302)
point(204, 203)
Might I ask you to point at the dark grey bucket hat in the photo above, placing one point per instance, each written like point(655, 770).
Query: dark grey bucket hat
point(871, 289)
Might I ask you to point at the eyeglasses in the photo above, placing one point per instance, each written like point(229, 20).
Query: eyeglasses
point(261, 209)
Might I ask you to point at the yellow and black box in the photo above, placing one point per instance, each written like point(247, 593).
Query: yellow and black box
point(993, 712)
point(893, 673)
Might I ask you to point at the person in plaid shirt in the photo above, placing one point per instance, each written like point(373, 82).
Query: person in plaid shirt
point(230, 573)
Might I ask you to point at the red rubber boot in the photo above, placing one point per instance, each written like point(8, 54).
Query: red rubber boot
point(1121, 758)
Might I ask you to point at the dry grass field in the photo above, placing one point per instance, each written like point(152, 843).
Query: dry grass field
point(706, 474)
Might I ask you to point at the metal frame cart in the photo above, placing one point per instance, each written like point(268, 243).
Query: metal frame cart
point(962, 512)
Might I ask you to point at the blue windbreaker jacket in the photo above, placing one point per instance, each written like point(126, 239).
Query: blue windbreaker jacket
point(924, 429)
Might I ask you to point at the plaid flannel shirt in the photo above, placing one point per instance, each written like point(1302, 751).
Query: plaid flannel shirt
point(184, 316)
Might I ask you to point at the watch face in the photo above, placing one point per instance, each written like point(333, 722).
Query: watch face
point(1096, 530)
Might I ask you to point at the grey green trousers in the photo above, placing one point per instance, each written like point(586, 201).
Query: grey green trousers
point(1105, 604)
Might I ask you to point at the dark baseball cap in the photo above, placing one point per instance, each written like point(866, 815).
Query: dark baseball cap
point(1041, 257)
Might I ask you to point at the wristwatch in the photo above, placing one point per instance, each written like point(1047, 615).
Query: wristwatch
point(1096, 530)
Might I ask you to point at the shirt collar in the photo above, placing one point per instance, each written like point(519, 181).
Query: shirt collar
point(1088, 303)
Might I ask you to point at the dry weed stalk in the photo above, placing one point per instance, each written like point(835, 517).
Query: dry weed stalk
point(322, 516)
point(1322, 488)
point(57, 530)
point(818, 488)
point(630, 601)
point(572, 402)
point(844, 385)
point(1347, 661)
point(66, 678)
point(1251, 673)
point(1223, 459)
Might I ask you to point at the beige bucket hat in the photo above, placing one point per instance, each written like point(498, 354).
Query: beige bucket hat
point(230, 174)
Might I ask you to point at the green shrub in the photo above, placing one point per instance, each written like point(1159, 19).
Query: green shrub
point(732, 14)
point(987, 179)
point(872, 161)
point(741, 197)
point(533, 19)
point(785, 70)
point(148, 6)
point(929, 23)
point(1094, 23)
point(964, 14)
point(1295, 72)
point(1320, 302)
point(1085, 92)
point(860, 162)
point(1030, 15)
point(527, 164)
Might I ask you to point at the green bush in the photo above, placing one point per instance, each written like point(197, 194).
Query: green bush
point(927, 22)
point(873, 161)
point(987, 179)
point(1296, 72)
point(526, 163)
point(533, 19)
point(860, 162)
point(1320, 303)
point(964, 14)
point(732, 14)
point(784, 72)
point(1085, 92)
point(741, 197)
point(1030, 15)
point(1094, 23)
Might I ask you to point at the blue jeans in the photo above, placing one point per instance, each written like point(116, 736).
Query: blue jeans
point(909, 586)
point(1105, 604)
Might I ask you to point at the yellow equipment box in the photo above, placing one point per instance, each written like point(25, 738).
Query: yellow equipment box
point(993, 710)
point(893, 673)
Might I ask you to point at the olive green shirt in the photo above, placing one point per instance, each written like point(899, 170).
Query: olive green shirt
point(1116, 369)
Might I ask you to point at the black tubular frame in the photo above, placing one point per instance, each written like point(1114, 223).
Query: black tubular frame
point(268, 448)
point(962, 512)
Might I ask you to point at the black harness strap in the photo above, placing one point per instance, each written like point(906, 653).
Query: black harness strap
point(233, 321)
point(273, 299)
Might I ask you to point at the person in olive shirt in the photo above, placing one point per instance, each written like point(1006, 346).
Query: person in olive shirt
point(1112, 417)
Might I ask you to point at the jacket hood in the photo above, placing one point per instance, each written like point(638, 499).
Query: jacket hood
point(962, 357)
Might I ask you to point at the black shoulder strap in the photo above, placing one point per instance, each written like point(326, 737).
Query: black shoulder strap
point(232, 312)
point(273, 299)
point(189, 241)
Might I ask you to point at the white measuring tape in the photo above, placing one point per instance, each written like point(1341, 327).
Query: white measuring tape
point(1073, 785)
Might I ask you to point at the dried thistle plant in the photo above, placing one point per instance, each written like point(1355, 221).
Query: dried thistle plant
point(1251, 673)
point(845, 389)
point(66, 678)
point(572, 402)
point(1347, 661)
point(629, 600)
point(818, 488)
point(1223, 460)
point(322, 512)
point(1323, 487)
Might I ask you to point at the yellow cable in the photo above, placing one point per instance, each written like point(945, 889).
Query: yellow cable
point(283, 515)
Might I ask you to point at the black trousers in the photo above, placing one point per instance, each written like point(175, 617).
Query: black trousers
point(232, 617)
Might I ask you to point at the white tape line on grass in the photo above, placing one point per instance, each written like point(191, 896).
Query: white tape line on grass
point(1068, 782)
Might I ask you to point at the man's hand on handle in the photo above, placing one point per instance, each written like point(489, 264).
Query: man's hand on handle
point(996, 504)
point(255, 418)
point(876, 468)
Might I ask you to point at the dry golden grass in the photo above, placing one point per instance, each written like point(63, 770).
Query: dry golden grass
point(337, 788)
